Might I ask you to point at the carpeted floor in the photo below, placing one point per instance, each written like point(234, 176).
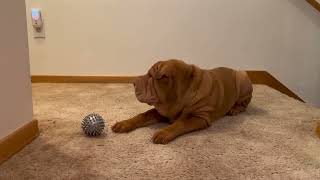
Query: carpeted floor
point(274, 139)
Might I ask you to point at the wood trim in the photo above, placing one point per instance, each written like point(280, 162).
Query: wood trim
point(257, 77)
point(82, 79)
point(315, 4)
point(15, 141)
point(265, 78)
point(318, 130)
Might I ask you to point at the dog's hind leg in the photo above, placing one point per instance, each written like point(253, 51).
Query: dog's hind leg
point(240, 106)
point(245, 89)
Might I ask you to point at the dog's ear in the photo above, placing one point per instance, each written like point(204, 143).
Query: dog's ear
point(194, 77)
point(192, 70)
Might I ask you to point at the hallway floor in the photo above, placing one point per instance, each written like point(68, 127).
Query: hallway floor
point(274, 138)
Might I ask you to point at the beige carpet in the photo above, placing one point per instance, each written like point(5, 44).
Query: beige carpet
point(274, 139)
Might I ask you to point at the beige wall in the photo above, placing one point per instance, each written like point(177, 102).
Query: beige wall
point(15, 88)
point(115, 37)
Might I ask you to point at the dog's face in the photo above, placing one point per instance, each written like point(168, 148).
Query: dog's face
point(164, 83)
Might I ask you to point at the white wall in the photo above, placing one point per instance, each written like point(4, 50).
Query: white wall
point(15, 88)
point(118, 37)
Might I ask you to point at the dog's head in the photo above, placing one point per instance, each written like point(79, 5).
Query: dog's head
point(165, 82)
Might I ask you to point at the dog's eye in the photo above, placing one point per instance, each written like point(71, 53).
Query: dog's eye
point(162, 77)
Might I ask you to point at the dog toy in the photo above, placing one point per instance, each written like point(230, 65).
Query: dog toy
point(93, 124)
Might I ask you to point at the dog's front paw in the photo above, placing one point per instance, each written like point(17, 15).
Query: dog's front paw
point(123, 126)
point(163, 137)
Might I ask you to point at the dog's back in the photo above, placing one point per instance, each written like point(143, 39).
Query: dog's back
point(232, 89)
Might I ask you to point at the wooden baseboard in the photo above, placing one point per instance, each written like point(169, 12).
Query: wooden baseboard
point(257, 77)
point(14, 142)
point(265, 78)
point(315, 4)
point(318, 130)
point(82, 79)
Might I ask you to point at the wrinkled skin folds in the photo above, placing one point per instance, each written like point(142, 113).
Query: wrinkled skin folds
point(187, 97)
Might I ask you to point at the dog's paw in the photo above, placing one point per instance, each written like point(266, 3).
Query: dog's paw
point(122, 126)
point(236, 110)
point(163, 137)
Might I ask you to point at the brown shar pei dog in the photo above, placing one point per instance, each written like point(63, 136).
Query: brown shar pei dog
point(187, 97)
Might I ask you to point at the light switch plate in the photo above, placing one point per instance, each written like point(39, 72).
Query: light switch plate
point(37, 23)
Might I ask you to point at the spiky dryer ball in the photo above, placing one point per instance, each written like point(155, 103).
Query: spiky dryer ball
point(93, 124)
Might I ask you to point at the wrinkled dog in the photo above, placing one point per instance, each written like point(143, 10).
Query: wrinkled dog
point(187, 97)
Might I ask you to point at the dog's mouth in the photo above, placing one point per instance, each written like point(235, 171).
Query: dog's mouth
point(145, 91)
point(145, 99)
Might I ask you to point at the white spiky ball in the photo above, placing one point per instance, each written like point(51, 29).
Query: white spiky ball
point(93, 124)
